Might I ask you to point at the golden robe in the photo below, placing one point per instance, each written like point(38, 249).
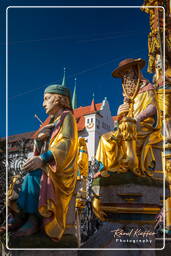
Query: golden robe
point(59, 179)
point(83, 158)
point(111, 151)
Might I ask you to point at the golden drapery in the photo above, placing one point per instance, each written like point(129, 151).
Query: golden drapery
point(82, 173)
point(156, 35)
point(164, 104)
point(61, 177)
point(112, 149)
point(83, 158)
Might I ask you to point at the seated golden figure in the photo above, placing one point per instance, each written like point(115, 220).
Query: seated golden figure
point(130, 147)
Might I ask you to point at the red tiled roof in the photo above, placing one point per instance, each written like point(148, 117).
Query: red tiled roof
point(93, 106)
point(80, 112)
point(14, 138)
point(80, 123)
point(16, 149)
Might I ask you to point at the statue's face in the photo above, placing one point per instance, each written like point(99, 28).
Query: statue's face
point(51, 103)
point(129, 81)
point(130, 74)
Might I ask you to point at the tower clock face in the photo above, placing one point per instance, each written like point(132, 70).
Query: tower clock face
point(91, 125)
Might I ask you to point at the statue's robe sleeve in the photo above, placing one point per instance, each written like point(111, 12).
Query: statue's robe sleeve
point(151, 125)
point(59, 178)
point(149, 130)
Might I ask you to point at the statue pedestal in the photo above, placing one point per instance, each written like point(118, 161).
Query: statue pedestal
point(106, 239)
point(129, 205)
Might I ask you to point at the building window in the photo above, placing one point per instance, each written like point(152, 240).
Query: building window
point(91, 120)
point(98, 124)
point(88, 121)
point(105, 126)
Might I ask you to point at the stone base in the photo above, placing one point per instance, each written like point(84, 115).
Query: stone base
point(40, 240)
point(115, 235)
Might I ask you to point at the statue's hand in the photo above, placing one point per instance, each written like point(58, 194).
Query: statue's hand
point(33, 163)
point(123, 109)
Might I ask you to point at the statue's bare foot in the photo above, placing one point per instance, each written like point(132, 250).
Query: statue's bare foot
point(14, 222)
point(30, 227)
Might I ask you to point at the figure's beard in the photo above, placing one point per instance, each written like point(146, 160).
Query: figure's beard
point(129, 84)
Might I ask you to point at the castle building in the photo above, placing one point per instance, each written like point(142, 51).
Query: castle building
point(93, 121)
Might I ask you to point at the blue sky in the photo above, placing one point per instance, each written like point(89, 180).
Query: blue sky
point(89, 42)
